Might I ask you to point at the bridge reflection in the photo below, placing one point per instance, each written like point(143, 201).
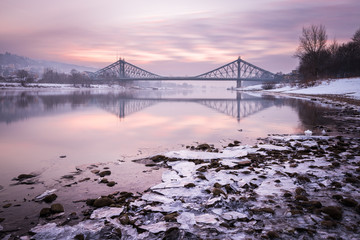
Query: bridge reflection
point(243, 106)
point(31, 104)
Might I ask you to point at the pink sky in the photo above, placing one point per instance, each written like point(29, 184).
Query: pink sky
point(170, 37)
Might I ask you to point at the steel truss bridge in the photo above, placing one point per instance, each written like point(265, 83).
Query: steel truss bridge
point(238, 70)
point(237, 108)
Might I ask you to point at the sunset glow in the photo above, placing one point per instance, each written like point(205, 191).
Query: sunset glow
point(192, 34)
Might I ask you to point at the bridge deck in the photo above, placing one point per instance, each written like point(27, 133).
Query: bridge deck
point(194, 79)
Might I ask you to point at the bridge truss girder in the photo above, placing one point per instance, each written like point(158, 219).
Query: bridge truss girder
point(238, 69)
point(124, 70)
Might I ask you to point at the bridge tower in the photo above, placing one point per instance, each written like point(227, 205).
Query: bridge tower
point(238, 82)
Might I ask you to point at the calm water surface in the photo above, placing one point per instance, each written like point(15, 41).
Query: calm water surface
point(102, 127)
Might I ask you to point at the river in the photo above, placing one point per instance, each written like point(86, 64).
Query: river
point(52, 134)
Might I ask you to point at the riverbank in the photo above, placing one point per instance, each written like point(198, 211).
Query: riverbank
point(285, 187)
point(345, 90)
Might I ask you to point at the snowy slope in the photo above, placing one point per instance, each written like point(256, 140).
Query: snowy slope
point(346, 86)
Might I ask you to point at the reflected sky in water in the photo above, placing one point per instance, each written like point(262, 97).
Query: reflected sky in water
point(91, 127)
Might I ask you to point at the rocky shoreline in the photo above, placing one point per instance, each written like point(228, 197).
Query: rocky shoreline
point(284, 187)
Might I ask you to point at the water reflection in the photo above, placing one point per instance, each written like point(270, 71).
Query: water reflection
point(15, 107)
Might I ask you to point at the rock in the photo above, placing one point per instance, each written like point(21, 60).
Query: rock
point(104, 173)
point(267, 210)
point(2, 219)
point(7, 205)
point(103, 202)
point(351, 180)
point(68, 176)
point(203, 147)
point(272, 234)
point(189, 185)
point(50, 198)
point(337, 196)
point(217, 192)
point(45, 212)
point(243, 163)
point(300, 191)
point(333, 211)
point(111, 184)
point(349, 202)
point(57, 208)
point(104, 180)
point(172, 234)
point(124, 219)
point(171, 217)
point(90, 202)
point(84, 179)
point(62, 156)
point(25, 176)
point(158, 158)
point(287, 194)
point(328, 223)
point(79, 237)
point(301, 198)
point(95, 171)
point(217, 185)
point(312, 204)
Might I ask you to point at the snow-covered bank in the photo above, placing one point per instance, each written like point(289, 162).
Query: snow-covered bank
point(349, 87)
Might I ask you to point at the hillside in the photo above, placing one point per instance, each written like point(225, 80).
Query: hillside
point(11, 62)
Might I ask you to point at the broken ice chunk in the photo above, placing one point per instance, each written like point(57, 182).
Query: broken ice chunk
point(308, 133)
point(43, 195)
point(186, 220)
point(233, 215)
point(206, 218)
point(151, 197)
point(106, 212)
point(159, 227)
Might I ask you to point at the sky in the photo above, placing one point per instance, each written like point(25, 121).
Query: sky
point(167, 37)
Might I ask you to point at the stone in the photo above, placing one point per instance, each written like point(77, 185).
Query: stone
point(45, 212)
point(333, 211)
point(243, 163)
point(217, 192)
point(189, 185)
point(158, 158)
point(111, 184)
point(328, 223)
point(57, 208)
point(104, 173)
point(172, 234)
point(301, 198)
point(171, 217)
point(349, 202)
point(124, 219)
point(203, 147)
point(267, 210)
point(103, 202)
point(104, 180)
point(7, 205)
point(50, 198)
point(272, 234)
point(90, 202)
point(25, 176)
point(300, 191)
point(79, 237)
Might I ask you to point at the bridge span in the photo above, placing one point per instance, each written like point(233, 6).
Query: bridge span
point(238, 70)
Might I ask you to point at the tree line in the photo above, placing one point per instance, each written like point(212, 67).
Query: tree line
point(320, 60)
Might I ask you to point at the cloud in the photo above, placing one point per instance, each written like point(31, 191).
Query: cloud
point(192, 36)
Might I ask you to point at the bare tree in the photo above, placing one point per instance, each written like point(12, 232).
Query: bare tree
point(312, 41)
point(312, 53)
point(356, 37)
